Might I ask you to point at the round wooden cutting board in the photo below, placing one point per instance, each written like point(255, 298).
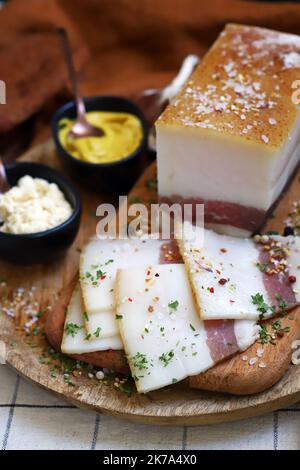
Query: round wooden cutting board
point(175, 405)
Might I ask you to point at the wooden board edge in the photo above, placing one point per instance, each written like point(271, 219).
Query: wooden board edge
point(163, 420)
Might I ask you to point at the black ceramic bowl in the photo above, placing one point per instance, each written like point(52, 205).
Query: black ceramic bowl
point(103, 177)
point(41, 247)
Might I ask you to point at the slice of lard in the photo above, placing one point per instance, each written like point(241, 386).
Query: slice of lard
point(163, 336)
point(75, 339)
point(235, 278)
point(105, 321)
point(99, 262)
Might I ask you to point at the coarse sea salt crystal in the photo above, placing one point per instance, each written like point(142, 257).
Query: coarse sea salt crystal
point(260, 352)
point(262, 365)
point(265, 138)
point(291, 60)
point(252, 361)
point(272, 121)
point(244, 358)
point(100, 375)
point(232, 74)
point(228, 67)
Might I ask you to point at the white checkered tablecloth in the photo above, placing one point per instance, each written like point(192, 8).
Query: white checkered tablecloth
point(31, 418)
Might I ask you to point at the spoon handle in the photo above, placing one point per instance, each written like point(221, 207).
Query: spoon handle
point(177, 83)
point(72, 72)
point(4, 184)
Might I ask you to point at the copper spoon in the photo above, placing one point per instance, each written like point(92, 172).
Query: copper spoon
point(4, 184)
point(81, 127)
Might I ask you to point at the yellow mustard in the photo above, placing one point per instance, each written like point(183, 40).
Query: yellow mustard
point(123, 135)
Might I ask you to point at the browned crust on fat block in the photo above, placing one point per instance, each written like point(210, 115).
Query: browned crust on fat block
point(242, 88)
point(238, 377)
point(54, 328)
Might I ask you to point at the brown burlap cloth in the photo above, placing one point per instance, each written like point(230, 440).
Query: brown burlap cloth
point(120, 46)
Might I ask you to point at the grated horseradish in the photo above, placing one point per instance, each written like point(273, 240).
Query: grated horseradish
point(33, 205)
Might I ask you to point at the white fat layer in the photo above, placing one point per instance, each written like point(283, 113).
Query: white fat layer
point(246, 333)
point(288, 159)
point(107, 256)
point(78, 344)
point(154, 330)
point(229, 230)
point(233, 163)
point(106, 321)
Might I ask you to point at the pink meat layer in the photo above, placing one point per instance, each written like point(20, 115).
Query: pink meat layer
point(169, 253)
point(222, 212)
point(221, 338)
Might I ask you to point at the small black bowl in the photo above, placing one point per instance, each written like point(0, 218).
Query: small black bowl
point(47, 246)
point(117, 176)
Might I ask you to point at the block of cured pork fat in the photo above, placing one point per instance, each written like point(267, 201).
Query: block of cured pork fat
point(241, 278)
point(230, 138)
point(164, 338)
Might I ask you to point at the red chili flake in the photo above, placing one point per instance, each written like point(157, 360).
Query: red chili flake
point(148, 272)
point(280, 333)
point(102, 277)
point(292, 279)
point(223, 281)
point(223, 250)
point(212, 290)
point(232, 301)
point(130, 299)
